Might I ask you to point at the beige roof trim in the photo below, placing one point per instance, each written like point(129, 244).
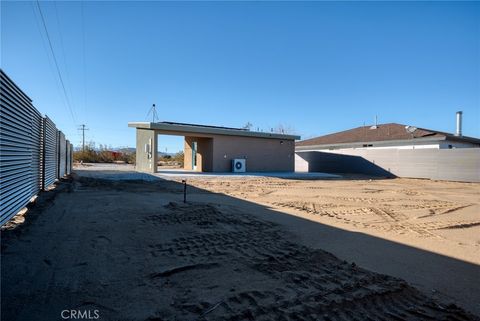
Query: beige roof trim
point(198, 129)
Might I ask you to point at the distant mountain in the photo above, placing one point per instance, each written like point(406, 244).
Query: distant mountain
point(125, 150)
point(160, 154)
point(130, 150)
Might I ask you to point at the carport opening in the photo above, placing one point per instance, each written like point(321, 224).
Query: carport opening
point(170, 152)
point(188, 153)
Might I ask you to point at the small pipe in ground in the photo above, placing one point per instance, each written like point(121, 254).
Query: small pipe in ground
point(184, 181)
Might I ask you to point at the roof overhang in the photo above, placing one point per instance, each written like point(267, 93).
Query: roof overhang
point(187, 129)
point(400, 142)
point(463, 139)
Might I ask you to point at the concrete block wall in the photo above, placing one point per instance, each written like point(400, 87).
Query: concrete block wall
point(461, 164)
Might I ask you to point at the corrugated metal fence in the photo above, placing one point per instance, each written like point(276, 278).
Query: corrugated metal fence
point(33, 153)
point(50, 152)
point(460, 164)
point(62, 152)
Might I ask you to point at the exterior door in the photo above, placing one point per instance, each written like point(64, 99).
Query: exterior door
point(194, 156)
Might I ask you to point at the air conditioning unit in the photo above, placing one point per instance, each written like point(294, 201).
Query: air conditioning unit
point(239, 165)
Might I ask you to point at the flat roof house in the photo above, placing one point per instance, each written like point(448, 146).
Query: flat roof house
point(215, 149)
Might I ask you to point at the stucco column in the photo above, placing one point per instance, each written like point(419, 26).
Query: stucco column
point(187, 153)
point(146, 150)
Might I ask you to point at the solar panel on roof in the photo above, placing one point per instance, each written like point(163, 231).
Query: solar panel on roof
point(197, 125)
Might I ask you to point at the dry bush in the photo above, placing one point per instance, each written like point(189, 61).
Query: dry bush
point(169, 160)
point(102, 155)
point(88, 155)
point(129, 158)
point(178, 158)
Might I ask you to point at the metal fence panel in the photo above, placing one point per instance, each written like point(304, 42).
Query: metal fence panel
point(18, 152)
point(50, 162)
point(68, 159)
point(62, 155)
point(71, 159)
point(32, 152)
point(37, 152)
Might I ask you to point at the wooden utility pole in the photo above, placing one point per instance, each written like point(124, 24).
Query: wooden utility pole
point(83, 129)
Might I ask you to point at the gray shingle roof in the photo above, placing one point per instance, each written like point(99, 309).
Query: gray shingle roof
point(383, 132)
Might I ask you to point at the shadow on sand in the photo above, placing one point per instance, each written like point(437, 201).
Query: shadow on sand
point(338, 163)
point(133, 251)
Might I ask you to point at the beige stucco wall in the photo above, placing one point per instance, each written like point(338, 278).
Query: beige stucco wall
point(204, 153)
point(146, 161)
point(187, 153)
point(263, 155)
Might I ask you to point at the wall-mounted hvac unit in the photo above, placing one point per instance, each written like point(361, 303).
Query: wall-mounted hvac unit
point(239, 165)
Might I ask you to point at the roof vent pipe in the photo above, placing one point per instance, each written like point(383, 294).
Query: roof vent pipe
point(459, 124)
point(376, 123)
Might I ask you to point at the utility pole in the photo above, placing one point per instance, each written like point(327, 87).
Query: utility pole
point(83, 129)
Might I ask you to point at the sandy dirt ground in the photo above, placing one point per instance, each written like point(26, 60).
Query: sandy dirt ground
point(443, 217)
point(427, 232)
point(240, 249)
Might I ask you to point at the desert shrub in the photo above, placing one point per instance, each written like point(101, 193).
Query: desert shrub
point(88, 155)
point(129, 158)
point(103, 154)
point(178, 158)
point(166, 158)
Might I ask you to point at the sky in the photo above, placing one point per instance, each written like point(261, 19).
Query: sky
point(313, 67)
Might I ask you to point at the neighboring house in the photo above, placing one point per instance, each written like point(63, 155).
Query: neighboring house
point(387, 136)
point(390, 150)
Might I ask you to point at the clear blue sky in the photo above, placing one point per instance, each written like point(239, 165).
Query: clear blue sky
point(318, 67)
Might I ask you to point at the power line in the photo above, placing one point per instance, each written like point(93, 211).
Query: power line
point(68, 81)
point(84, 58)
point(56, 63)
point(44, 45)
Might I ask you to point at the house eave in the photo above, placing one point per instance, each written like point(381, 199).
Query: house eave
point(402, 142)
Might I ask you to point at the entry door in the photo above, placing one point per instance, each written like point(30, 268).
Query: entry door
point(194, 156)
